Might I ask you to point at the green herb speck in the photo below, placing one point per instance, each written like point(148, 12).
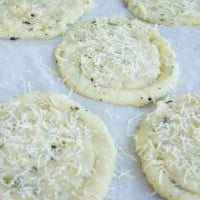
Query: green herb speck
point(165, 120)
point(169, 101)
point(112, 24)
point(18, 182)
point(13, 38)
point(26, 22)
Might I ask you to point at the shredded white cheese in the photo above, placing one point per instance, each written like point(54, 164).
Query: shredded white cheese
point(116, 54)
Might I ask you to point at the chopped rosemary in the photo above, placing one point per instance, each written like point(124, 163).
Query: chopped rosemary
point(26, 22)
point(165, 120)
point(13, 38)
point(169, 101)
point(112, 24)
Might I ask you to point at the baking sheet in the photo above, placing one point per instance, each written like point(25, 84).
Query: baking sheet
point(29, 65)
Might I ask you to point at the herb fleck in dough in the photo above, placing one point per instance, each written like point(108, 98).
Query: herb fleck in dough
point(38, 19)
point(167, 12)
point(117, 60)
point(51, 148)
point(168, 141)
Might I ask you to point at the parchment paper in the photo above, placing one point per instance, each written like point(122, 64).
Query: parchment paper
point(29, 65)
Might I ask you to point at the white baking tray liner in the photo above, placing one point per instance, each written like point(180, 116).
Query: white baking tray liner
point(29, 65)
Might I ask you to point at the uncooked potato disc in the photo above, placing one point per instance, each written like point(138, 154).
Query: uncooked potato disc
point(52, 148)
point(167, 12)
point(168, 144)
point(38, 19)
point(117, 60)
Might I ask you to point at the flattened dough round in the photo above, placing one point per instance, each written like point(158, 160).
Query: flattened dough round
point(117, 60)
point(38, 19)
point(167, 12)
point(51, 148)
point(168, 144)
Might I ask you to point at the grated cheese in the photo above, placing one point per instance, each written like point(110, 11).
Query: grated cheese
point(116, 54)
